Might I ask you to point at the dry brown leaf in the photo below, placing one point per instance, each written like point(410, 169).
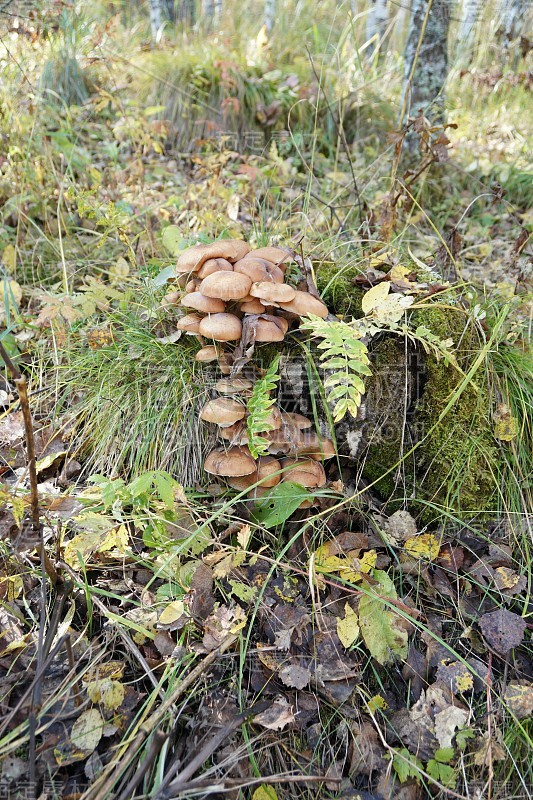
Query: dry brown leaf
point(502, 629)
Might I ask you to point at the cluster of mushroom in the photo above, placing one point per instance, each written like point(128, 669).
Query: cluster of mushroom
point(295, 451)
point(225, 282)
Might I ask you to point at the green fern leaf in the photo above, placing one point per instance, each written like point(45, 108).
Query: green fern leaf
point(259, 407)
point(345, 357)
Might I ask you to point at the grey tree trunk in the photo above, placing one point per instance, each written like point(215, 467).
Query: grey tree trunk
point(156, 17)
point(270, 15)
point(426, 59)
point(376, 24)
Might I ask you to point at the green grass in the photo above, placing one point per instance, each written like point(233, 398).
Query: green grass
point(134, 403)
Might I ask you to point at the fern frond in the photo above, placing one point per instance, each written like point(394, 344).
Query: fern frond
point(259, 406)
point(345, 356)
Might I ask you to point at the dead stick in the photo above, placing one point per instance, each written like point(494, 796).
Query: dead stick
point(22, 389)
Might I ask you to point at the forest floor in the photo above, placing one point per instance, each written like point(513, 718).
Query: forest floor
point(163, 635)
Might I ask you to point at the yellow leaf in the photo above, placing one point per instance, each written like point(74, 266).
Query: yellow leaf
point(425, 546)
point(348, 628)
point(9, 258)
point(172, 612)
point(244, 536)
point(265, 792)
point(87, 730)
point(107, 692)
point(90, 542)
point(375, 296)
point(506, 426)
point(399, 273)
point(47, 461)
point(377, 702)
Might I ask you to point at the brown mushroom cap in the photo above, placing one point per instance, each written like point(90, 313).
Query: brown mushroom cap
point(276, 255)
point(273, 292)
point(224, 411)
point(172, 299)
point(226, 285)
point(243, 482)
point(233, 385)
point(268, 471)
point(237, 433)
point(306, 472)
point(298, 420)
point(230, 463)
point(325, 450)
point(214, 265)
point(190, 323)
point(273, 420)
point(259, 270)
point(253, 306)
point(192, 259)
point(199, 301)
point(267, 330)
point(221, 327)
point(304, 303)
point(206, 354)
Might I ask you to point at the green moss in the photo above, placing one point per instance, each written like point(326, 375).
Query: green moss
point(338, 290)
point(456, 463)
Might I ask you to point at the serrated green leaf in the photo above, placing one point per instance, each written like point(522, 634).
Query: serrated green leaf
point(280, 503)
point(380, 627)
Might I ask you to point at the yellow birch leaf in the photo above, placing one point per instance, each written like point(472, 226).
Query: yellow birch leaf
point(348, 628)
point(87, 730)
point(265, 792)
point(375, 296)
point(107, 692)
point(172, 612)
point(426, 546)
point(377, 702)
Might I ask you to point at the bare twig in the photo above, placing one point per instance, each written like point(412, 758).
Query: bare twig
point(22, 389)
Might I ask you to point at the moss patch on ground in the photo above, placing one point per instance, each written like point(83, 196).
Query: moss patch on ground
point(338, 290)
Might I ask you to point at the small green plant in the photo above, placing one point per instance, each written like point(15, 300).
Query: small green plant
point(259, 408)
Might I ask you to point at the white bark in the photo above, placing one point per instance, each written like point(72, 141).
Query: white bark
point(470, 12)
point(212, 10)
point(376, 22)
point(426, 58)
point(156, 17)
point(514, 16)
point(270, 15)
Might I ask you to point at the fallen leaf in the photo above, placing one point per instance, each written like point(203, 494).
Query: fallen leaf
point(172, 612)
point(108, 692)
point(87, 730)
point(519, 699)
point(455, 675)
point(446, 723)
point(426, 546)
point(277, 717)
point(502, 629)
point(348, 628)
point(505, 425)
point(380, 627)
point(265, 792)
point(375, 296)
point(489, 749)
point(294, 676)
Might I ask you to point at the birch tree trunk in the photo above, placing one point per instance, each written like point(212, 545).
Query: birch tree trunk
point(376, 24)
point(514, 16)
point(470, 11)
point(270, 15)
point(426, 59)
point(212, 11)
point(156, 17)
